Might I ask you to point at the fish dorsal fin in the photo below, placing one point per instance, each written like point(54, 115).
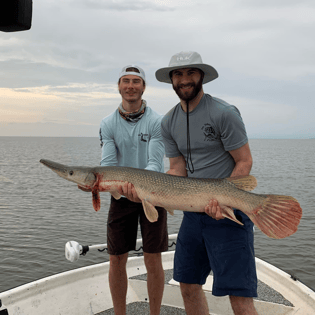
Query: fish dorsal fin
point(150, 211)
point(246, 183)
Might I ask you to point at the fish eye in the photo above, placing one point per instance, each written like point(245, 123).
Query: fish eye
point(71, 173)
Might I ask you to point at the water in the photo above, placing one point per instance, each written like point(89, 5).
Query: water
point(40, 212)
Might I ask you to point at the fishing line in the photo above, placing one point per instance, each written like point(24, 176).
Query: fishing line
point(189, 158)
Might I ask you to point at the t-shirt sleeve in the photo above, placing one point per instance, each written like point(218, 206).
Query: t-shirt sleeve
point(232, 129)
point(156, 148)
point(171, 148)
point(109, 151)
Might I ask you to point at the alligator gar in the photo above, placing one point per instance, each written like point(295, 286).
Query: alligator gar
point(275, 215)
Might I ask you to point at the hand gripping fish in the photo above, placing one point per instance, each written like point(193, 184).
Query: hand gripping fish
point(276, 216)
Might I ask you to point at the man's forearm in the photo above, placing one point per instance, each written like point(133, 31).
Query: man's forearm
point(243, 161)
point(242, 169)
point(156, 154)
point(176, 172)
point(177, 166)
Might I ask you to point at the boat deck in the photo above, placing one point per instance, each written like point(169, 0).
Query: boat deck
point(141, 308)
point(265, 293)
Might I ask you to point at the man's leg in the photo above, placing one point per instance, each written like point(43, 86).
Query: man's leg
point(155, 241)
point(243, 305)
point(194, 299)
point(118, 282)
point(153, 263)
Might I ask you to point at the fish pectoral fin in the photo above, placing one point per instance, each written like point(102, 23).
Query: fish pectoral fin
point(115, 194)
point(246, 183)
point(150, 211)
point(96, 200)
point(229, 214)
point(170, 211)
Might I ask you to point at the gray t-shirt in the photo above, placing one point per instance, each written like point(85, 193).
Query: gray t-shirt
point(215, 128)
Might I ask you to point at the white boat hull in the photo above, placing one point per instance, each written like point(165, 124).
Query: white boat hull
point(86, 291)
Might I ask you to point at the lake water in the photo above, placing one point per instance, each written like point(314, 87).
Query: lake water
point(40, 212)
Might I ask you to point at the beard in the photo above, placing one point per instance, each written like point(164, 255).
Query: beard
point(188, 96)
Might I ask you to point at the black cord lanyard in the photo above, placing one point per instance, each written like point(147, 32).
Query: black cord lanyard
point(189, 163)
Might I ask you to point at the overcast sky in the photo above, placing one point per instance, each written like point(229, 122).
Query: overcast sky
point(60, 78)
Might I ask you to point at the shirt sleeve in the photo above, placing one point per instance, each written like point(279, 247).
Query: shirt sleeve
point(233, 132)
point(156, 149)
point(171, 148)
point(109, 151)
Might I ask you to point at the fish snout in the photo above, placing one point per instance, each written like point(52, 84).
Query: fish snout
point(54, 166)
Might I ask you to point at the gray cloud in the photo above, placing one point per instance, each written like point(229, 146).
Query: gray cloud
point(264, 52)
point(123, 5)
point(24, 73)
point(273, 4)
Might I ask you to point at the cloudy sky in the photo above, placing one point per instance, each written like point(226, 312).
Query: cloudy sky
point(60, 78)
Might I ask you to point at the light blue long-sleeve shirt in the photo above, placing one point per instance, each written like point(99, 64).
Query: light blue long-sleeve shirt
point(130, 144)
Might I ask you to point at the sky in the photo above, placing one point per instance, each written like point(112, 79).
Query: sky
point(59, 79)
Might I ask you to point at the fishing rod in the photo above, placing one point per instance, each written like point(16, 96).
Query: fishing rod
point(73, 250)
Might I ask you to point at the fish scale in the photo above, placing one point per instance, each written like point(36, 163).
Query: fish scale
point(277, 216)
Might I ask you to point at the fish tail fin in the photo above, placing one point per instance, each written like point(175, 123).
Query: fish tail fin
point(278, 216)
point(246, 183)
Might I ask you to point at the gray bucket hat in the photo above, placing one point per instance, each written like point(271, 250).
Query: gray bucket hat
point(186, 59)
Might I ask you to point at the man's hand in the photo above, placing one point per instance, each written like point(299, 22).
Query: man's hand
point(128, 190)
point(213, 210)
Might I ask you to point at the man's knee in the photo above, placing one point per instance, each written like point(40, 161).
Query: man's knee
point(242, 305)
point(190, 291)
point(118, 261)
point(153, 262)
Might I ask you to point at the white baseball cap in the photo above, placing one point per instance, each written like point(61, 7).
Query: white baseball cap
point(186, 59)
point(140, 73)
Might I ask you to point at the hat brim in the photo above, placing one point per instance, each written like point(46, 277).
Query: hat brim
point(163, 74)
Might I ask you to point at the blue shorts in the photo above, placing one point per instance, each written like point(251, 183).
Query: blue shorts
point(223, 247)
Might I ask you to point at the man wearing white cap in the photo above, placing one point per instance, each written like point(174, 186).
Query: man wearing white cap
point(205, 137)
point(131, 136)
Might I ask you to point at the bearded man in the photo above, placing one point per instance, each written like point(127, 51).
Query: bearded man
point(205, 137)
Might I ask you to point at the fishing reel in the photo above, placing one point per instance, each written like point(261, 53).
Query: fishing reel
point(73, 250)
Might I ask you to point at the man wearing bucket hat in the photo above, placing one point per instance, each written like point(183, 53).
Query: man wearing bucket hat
point(131, 136)
point(205, 137)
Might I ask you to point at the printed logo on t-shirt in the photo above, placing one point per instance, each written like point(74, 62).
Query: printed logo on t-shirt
point(143, 137)
point(209, 132)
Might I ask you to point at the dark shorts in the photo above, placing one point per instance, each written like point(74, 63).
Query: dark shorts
point(222, 246)
point(122, 228)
